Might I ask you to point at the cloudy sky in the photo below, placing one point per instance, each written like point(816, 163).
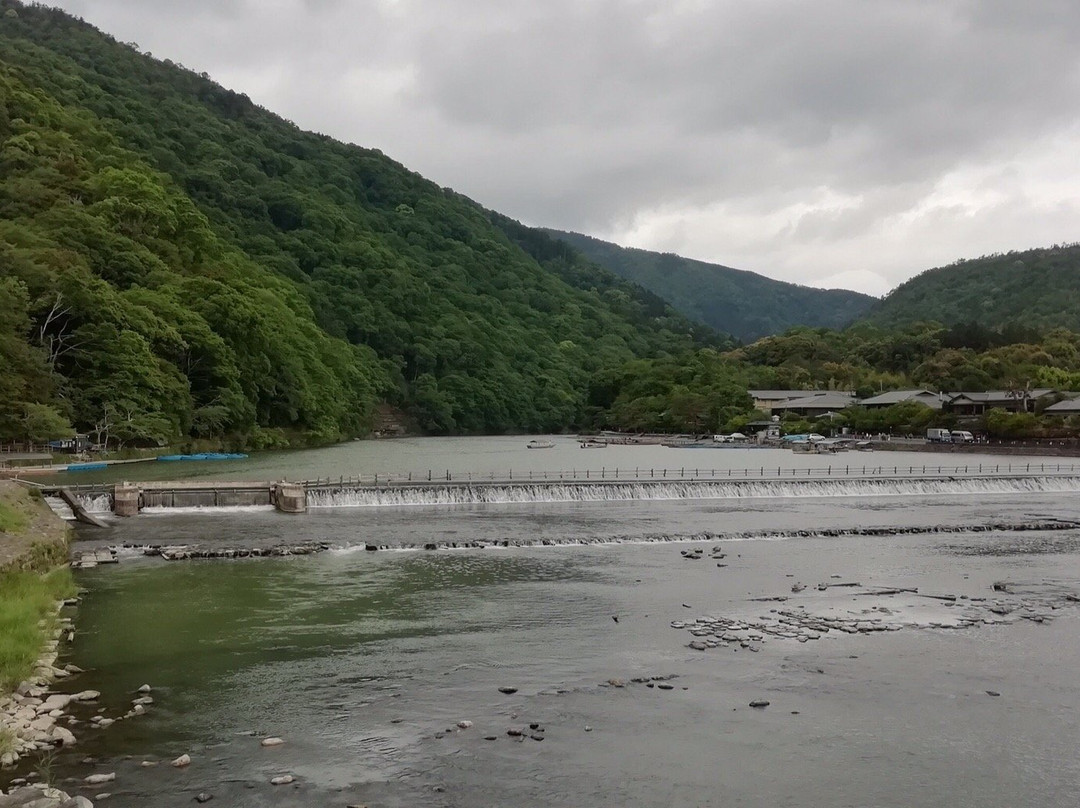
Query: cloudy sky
point(847, 143)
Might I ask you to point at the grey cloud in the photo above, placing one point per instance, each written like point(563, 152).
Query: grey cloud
point(618, 117)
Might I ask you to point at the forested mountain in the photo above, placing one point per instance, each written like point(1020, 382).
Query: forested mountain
point(1035, 288)
point(177, 262)
point(734, 301)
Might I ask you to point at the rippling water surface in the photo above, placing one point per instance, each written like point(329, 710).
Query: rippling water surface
point(365, 661)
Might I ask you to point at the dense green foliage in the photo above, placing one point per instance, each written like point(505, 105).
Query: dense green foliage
point(706, 392)
point(186, 264)
point(130, 316)
point(698, 393)
point(1035, 288)
point(733, 301)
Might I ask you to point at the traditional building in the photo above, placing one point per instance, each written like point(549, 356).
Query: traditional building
point(766, 400)
point(816, 405)
point(934, 401)
point(968, 403)
point(1070, 406)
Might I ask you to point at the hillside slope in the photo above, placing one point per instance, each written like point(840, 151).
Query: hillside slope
point(734, 301)
point(428, 297)
point(125, 313)
point(1036, 288)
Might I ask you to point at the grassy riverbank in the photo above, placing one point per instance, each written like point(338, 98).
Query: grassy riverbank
point(27, 619)
point(33, 577)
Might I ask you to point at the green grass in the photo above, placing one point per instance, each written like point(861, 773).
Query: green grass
point(12, 520)
point(27, 599)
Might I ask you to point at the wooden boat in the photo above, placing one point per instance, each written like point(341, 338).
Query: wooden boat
point(593, 444)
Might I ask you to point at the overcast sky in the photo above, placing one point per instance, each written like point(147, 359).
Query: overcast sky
point(846, 143)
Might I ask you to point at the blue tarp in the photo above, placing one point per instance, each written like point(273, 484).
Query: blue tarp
point(203, 456)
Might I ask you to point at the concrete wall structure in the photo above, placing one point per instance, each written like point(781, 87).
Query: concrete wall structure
point(290, 497)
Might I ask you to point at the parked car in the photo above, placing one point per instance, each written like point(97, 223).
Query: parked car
point(939, 436)
point(962, 436)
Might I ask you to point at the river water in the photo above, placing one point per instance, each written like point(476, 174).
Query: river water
point(504, 456)
point(364, 662)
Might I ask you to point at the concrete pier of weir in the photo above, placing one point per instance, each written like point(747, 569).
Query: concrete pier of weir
point(290, 497)
point(130, 498)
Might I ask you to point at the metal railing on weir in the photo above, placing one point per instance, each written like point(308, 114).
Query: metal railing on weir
point(646, 475)
point(623, 474)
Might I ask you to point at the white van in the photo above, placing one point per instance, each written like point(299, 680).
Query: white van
point(962, 436)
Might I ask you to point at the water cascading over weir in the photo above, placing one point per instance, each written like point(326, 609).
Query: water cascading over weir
point(128, 499)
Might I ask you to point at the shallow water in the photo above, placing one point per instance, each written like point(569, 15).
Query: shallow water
point(361, 659)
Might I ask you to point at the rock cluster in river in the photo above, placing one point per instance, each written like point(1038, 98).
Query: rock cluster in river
point(183, 552)
point(36, 719)
point(187, 552)
point(41, 796)
point(802, 625)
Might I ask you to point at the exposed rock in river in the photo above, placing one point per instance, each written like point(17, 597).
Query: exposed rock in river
point(182, 552)
point(41, 796)
point(804, 625)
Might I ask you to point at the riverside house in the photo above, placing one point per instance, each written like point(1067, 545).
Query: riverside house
point(934, 401)
point(767, 400)
point(1009, 400)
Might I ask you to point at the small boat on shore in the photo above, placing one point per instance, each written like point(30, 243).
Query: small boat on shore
point(87, 466)
point(202, 456)
point(539, 444)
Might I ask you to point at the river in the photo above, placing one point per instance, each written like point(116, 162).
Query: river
point(503, 456)
point(364, 662)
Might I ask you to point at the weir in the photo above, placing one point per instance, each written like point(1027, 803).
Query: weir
point(128, 499)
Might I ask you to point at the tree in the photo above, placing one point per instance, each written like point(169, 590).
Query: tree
point(42, 423)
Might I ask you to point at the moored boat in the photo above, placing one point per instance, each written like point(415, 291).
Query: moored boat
point(203, 456)
point(539, 444)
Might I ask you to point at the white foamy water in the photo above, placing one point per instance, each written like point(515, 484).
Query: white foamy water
point(210, 510)
point(96, 503)
point(641, 491)
point(60, 508)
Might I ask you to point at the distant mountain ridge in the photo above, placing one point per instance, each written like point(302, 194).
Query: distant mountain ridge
point(1037, 288)
point(741, 303)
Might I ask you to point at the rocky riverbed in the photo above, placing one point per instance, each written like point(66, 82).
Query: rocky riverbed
point(39, 721)
point(32, 716)
point(41, 796)
point(869, 610)
point(97, 553)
